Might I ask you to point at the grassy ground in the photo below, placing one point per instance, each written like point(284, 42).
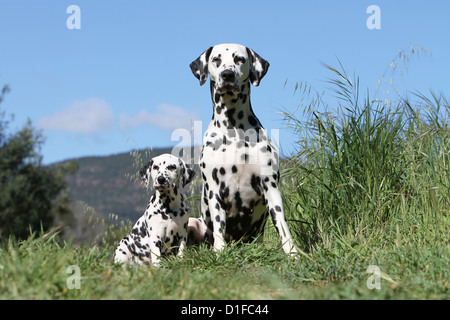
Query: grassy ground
point(366, 197)
point(413, 264)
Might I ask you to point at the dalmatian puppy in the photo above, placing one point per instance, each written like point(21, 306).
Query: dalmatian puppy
point(163, 227)
point(239, 164)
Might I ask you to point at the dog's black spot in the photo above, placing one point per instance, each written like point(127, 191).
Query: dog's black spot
point(238, 201)
point(230, 115)
point(252, 120)
point(214, 175)
point(273, 215)
point(255, 183)
point(224, 192)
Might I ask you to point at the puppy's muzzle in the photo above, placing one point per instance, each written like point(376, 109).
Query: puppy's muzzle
point(161, 182)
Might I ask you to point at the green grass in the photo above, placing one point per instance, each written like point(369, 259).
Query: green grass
point(369, 185)
point(37, 269)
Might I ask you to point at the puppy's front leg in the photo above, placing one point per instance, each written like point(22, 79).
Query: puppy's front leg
point(155, 251)
point(182, 246)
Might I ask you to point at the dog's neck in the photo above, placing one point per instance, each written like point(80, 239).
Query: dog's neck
point(169, 198)
point(233, 111)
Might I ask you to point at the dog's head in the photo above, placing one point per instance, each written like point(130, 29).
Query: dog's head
point(229, 66)
point(167, 172)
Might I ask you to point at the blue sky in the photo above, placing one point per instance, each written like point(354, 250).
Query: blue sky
point(123, 81)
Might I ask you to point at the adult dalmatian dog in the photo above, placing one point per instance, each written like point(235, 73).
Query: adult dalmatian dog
point(238, 163)
point(163, 227)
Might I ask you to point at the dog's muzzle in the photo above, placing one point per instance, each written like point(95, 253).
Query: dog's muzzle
point(228, 82)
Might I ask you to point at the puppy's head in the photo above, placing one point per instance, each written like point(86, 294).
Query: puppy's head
point(167, 172)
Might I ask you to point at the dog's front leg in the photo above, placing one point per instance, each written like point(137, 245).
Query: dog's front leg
point(218, 224)
point(275, 208)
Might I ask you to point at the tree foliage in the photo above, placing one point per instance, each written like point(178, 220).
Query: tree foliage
point(32, 196)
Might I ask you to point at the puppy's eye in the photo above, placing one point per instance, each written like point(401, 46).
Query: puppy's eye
point(155, 168)
point(172, 167)
point(239, 60)
point(216, 60)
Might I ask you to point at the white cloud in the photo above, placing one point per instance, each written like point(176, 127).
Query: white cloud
point(167, 118)
point(94, 115)
point(86, 117)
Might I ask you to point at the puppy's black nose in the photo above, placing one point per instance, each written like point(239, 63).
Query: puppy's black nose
point(161, 179)
point(227, 75)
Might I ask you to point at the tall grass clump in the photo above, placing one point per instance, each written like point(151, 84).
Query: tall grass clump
point(365, 168)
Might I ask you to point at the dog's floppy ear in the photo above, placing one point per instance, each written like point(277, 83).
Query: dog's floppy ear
point(258, 67)
point(199, 67)
point(186, 173)
point(145, 173)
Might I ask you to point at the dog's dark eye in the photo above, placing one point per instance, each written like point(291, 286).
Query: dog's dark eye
point(216, 60)
point(239, 59)
point(172, 167)
point(155, 167)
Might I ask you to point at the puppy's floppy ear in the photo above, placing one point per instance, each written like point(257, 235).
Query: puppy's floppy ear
point(199, 67)
point(187, 174)
point(145, 173)
point(258, 67)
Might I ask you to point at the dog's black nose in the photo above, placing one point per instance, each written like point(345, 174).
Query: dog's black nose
point(161, 179)
point(227, 75)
